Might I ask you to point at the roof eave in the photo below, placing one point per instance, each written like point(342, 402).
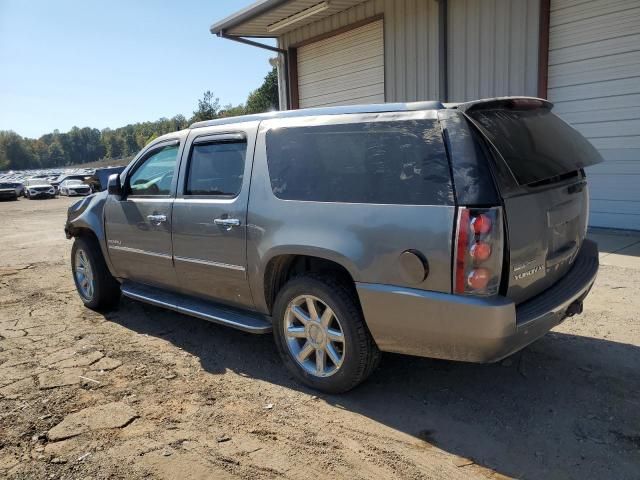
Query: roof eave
point(244, 15)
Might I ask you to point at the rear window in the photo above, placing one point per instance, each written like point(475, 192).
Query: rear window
point(400, 162)
point(535, 144)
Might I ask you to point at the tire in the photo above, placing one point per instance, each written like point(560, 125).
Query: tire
point(358, 353)
point(105, 291)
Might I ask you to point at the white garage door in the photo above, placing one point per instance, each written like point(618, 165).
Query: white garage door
point(594, 81)
point(345, 69)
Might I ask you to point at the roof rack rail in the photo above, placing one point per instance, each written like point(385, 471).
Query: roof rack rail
point(305, 112)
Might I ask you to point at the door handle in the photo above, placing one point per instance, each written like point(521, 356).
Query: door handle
point(229, 223)
point(157, 219)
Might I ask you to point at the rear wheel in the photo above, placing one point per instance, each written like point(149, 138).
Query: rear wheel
point(97, 288)
point(321, 335)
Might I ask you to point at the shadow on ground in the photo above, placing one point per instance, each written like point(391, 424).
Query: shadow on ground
point(621, 242)
point(556, 410)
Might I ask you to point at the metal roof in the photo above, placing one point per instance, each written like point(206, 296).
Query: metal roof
point(254, 20)
point(306, 112)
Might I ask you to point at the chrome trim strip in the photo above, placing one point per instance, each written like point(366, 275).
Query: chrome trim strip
point(240, 268)
point(141, 252)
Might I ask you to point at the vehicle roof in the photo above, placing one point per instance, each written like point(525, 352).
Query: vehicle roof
point(373, 108)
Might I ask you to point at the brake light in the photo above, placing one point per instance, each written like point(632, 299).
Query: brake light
point(478, 251)
point(481, 224)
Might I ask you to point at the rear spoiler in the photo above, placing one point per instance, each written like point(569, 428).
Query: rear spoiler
point(507, 103)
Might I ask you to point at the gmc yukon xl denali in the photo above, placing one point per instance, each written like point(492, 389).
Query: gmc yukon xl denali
point(449, 231)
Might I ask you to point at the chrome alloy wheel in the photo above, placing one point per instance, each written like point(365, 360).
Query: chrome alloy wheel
point(84, 275)
point(314, 336)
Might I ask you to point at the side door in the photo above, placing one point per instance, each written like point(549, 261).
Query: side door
point(138, 224)
point(210, 214)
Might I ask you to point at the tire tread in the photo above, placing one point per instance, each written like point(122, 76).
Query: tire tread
point(107, 288)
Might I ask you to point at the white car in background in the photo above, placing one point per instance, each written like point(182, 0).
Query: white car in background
point(39, 188)
point(74, 187)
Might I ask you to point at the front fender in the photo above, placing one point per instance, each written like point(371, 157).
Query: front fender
point(87, 214)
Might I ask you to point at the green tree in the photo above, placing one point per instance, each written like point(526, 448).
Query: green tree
point(15, 152)
point(208, 107)
point(231, 111)
point(56, 155)
point(266, 97)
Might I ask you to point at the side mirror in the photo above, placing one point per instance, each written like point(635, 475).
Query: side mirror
point(113, 186)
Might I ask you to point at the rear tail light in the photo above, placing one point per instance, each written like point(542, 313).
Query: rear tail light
point(478, 251)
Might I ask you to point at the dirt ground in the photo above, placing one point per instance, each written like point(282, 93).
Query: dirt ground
point(145, 393)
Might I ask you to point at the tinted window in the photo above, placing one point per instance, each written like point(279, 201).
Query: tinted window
point(400, 162)
point(216, 169)
point(535, 144)
point(155, 175)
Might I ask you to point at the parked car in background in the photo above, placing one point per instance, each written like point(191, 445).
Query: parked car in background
point(73, 187)
point(9, 191)
point(446, 231)
point(39, 188)
point(18, 186)
point(56, 181)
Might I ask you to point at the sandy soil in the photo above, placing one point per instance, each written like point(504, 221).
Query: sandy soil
point(145, 393)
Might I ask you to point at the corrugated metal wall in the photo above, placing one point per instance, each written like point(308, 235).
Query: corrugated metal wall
point(410, 43)
point(594, 82)
point(493, 48)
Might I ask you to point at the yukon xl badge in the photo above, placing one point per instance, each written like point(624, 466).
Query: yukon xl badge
point(528, 273)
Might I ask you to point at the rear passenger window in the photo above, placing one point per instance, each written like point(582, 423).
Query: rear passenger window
point(400, 162)
point(216, 168)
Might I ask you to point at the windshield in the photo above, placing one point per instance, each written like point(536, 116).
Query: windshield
point(74, 182)
point(535, 143)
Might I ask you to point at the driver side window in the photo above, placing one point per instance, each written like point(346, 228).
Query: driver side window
point(155, 175)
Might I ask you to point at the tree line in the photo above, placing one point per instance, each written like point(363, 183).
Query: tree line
point(84, 145)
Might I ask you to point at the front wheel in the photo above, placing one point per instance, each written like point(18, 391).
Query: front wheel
point(321, 335)
point(98, 289)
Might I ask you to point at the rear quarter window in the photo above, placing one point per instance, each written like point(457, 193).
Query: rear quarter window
point(402, 162)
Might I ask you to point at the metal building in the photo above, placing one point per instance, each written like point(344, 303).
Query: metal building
point(583, 55)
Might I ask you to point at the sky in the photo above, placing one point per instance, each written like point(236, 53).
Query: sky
point(100, 64)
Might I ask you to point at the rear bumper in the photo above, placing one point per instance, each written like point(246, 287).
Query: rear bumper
point(472, 329)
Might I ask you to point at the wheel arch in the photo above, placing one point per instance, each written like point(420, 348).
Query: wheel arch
point(288, 263)
point(86, 218)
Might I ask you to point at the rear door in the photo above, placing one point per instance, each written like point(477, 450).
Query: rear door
point(210, 214)
point(539, 162)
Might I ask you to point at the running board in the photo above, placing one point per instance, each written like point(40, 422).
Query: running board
point(241, 320)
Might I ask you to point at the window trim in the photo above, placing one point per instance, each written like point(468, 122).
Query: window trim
point(143, 158)
point(213, 139)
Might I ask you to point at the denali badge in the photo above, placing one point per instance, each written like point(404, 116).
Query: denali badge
point(528, 273)
point(114, 242)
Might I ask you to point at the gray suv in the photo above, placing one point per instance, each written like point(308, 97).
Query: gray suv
point(446, 231)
